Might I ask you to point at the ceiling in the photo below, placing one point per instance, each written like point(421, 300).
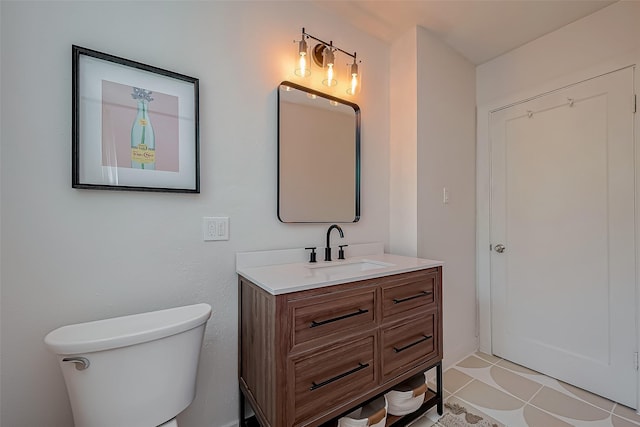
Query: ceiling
point(478, 29)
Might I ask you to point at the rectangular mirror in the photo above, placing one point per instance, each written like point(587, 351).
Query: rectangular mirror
point(318, 156)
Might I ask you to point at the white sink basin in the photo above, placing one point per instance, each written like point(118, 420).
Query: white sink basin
point(349, 267)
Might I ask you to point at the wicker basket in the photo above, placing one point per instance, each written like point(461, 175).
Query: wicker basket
point(407, 396)
point(374, 414)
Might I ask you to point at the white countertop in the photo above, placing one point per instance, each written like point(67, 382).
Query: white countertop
point(283, 271)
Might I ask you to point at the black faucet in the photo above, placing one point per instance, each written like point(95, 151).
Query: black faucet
point(327, 250)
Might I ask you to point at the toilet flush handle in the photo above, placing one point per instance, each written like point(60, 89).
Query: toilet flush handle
point(81, 363)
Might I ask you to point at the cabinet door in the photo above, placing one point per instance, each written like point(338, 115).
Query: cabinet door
point(322, 380)
point(408, 344)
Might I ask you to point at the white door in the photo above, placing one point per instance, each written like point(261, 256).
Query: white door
point(562, 207)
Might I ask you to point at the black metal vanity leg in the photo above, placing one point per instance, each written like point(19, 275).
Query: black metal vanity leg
point(440, 393)
point(242, 422)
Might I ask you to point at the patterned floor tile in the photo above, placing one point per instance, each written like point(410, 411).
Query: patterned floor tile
point(535, 417)
point(621, 422)
point(596, 400)
point(423, 422)
point(515, 396)
point(561, 404)
point(515, 384)
point(485, 396)
point(516, 368)
point(626, 412)
point(474, 362)
point(454, 380)
point(488, 357)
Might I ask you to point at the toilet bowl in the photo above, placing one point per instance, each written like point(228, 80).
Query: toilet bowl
point(138, 370)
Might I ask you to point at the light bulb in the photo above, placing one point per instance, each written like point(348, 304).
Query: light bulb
point(353, 88)
point(328, 57)
point(354, 83)
point(330, 80)
point(302, 69)
point(328, 62)
point(303, 64)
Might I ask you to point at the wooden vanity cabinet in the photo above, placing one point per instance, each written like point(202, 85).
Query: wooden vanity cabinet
point(307, 357)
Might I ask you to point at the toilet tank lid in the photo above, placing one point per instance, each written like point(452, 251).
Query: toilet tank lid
point(126, 330)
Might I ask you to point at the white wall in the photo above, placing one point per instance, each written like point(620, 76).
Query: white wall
point(604, 35)
point(432, 147)
point(70, 255)
point(403, 159)
point(446, 158)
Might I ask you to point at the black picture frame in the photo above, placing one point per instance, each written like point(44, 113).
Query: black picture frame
point(114, 144)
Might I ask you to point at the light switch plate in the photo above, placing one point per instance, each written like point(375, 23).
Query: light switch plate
point(215, 228)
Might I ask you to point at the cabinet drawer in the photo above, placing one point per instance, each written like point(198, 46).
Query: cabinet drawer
point(408, 344)
point(324, 379)
point(409, 294)
point(325, 315)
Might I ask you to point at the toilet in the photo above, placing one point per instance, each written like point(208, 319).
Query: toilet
point(135, 371)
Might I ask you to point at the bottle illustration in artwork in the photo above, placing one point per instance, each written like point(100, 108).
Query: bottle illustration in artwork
point(143, 142)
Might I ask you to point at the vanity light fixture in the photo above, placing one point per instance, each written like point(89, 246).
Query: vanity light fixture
point(302, 67)
point(323, 55)
point(328, 61)
point(354, 86)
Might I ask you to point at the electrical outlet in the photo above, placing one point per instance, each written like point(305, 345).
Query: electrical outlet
point(215, 228)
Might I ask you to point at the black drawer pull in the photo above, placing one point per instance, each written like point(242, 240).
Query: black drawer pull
point(360, 367)
point(335, 319)
point(421, 294)
point(424, 338)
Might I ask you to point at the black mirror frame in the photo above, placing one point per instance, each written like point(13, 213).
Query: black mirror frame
point(356, 110)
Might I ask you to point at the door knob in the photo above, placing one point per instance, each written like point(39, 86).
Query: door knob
point(500, 248)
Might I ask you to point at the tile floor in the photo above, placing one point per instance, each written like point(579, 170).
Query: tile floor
point(513, 396)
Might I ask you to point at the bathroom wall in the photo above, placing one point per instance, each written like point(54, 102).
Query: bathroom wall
point(71, 255)
point(403, 159)
point(446, 160)
point(432, 148)
point(581, 45)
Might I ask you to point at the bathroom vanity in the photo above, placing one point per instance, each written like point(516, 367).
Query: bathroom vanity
point(318, 340)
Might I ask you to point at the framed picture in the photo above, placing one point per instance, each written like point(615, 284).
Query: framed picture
point(135, 127)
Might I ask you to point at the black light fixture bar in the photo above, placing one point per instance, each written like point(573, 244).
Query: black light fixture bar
point(330, 44)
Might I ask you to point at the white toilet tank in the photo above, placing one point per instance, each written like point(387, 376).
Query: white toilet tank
point(133, 371)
